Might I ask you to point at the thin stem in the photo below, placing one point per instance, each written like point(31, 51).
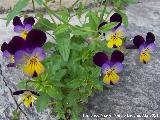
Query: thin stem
point(10, 90)
point(59, 18)
point(104, 10)
point(33, 5)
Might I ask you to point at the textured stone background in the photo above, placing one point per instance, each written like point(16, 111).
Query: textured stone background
point(137, 93)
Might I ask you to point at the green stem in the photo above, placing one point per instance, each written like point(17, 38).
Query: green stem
point(104, 10)
point(109, 13)
point(33, 5)
point(59, 18)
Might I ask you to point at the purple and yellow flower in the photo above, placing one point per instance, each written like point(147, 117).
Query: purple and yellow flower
point(115, 35)
point(145, 46)
point(110, 68)
point(27, 97)
point(31, 61)
point(23, 28)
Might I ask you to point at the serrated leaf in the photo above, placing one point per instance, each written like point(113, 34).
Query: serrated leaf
point(42, 102)
point(63, 43)
point(16, 10)
point(108, 26)
point(40, 2)
point(64, 14)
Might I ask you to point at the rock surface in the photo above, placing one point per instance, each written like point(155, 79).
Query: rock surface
point(137, 93)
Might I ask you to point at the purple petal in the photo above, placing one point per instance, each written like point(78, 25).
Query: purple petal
point(28, 27)
point(18, 29)
point(35, 38)
point(29, 20)
point(142, 47)
point(17, 43)
point(116, 18)
point(151, 47)
point(4, 47)
point(21, 57)
point(100, 58)
point(121, 28)
point(150, 38)
point(39, 53)
point(19, 92)
point(138, 40)
point(17, 21)
point(118, 67)
point(105, 67)
point(6, 54)
point(117, 56)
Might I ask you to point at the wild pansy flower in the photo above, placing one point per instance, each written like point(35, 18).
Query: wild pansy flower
point(110, 68)
point(32, 56)
point(31, 61)
point(27, 97)
point(114, 36)
point(145, 46)
point(23, 28)
point(9, 49)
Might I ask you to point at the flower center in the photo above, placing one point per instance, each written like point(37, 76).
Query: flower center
point(24, 34)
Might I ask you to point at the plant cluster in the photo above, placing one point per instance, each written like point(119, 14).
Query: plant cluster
point(63, 72)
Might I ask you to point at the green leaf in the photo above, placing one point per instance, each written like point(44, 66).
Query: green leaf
point(55, 93)
point(42, 102)
point(58, 76)
point(40, 2)
point(48, 46)
point(16, 10)
point(108, 26)
point(64, 14)
point(63, 43)
point(45, 25)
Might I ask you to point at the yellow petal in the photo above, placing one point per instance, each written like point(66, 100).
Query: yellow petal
point(32, 66)
point(111, 76)
point(110, 43)
point(118, 42)
point(24, 35)
point(145, 57)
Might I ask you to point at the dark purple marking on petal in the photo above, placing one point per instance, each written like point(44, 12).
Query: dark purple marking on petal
point(4, 47)
point(35, 74)
point(101, 25)
point(29, 20)
point(35, 38)
point(138, 40)
point(150, 38)
point(35, 93)
point(130, 46)
point(111, 83)
point(100, 58)
point(116, 18)
point(19, 92)
point(11, 65)
point(117, 56)
point(17, 43)
point(17, 21)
